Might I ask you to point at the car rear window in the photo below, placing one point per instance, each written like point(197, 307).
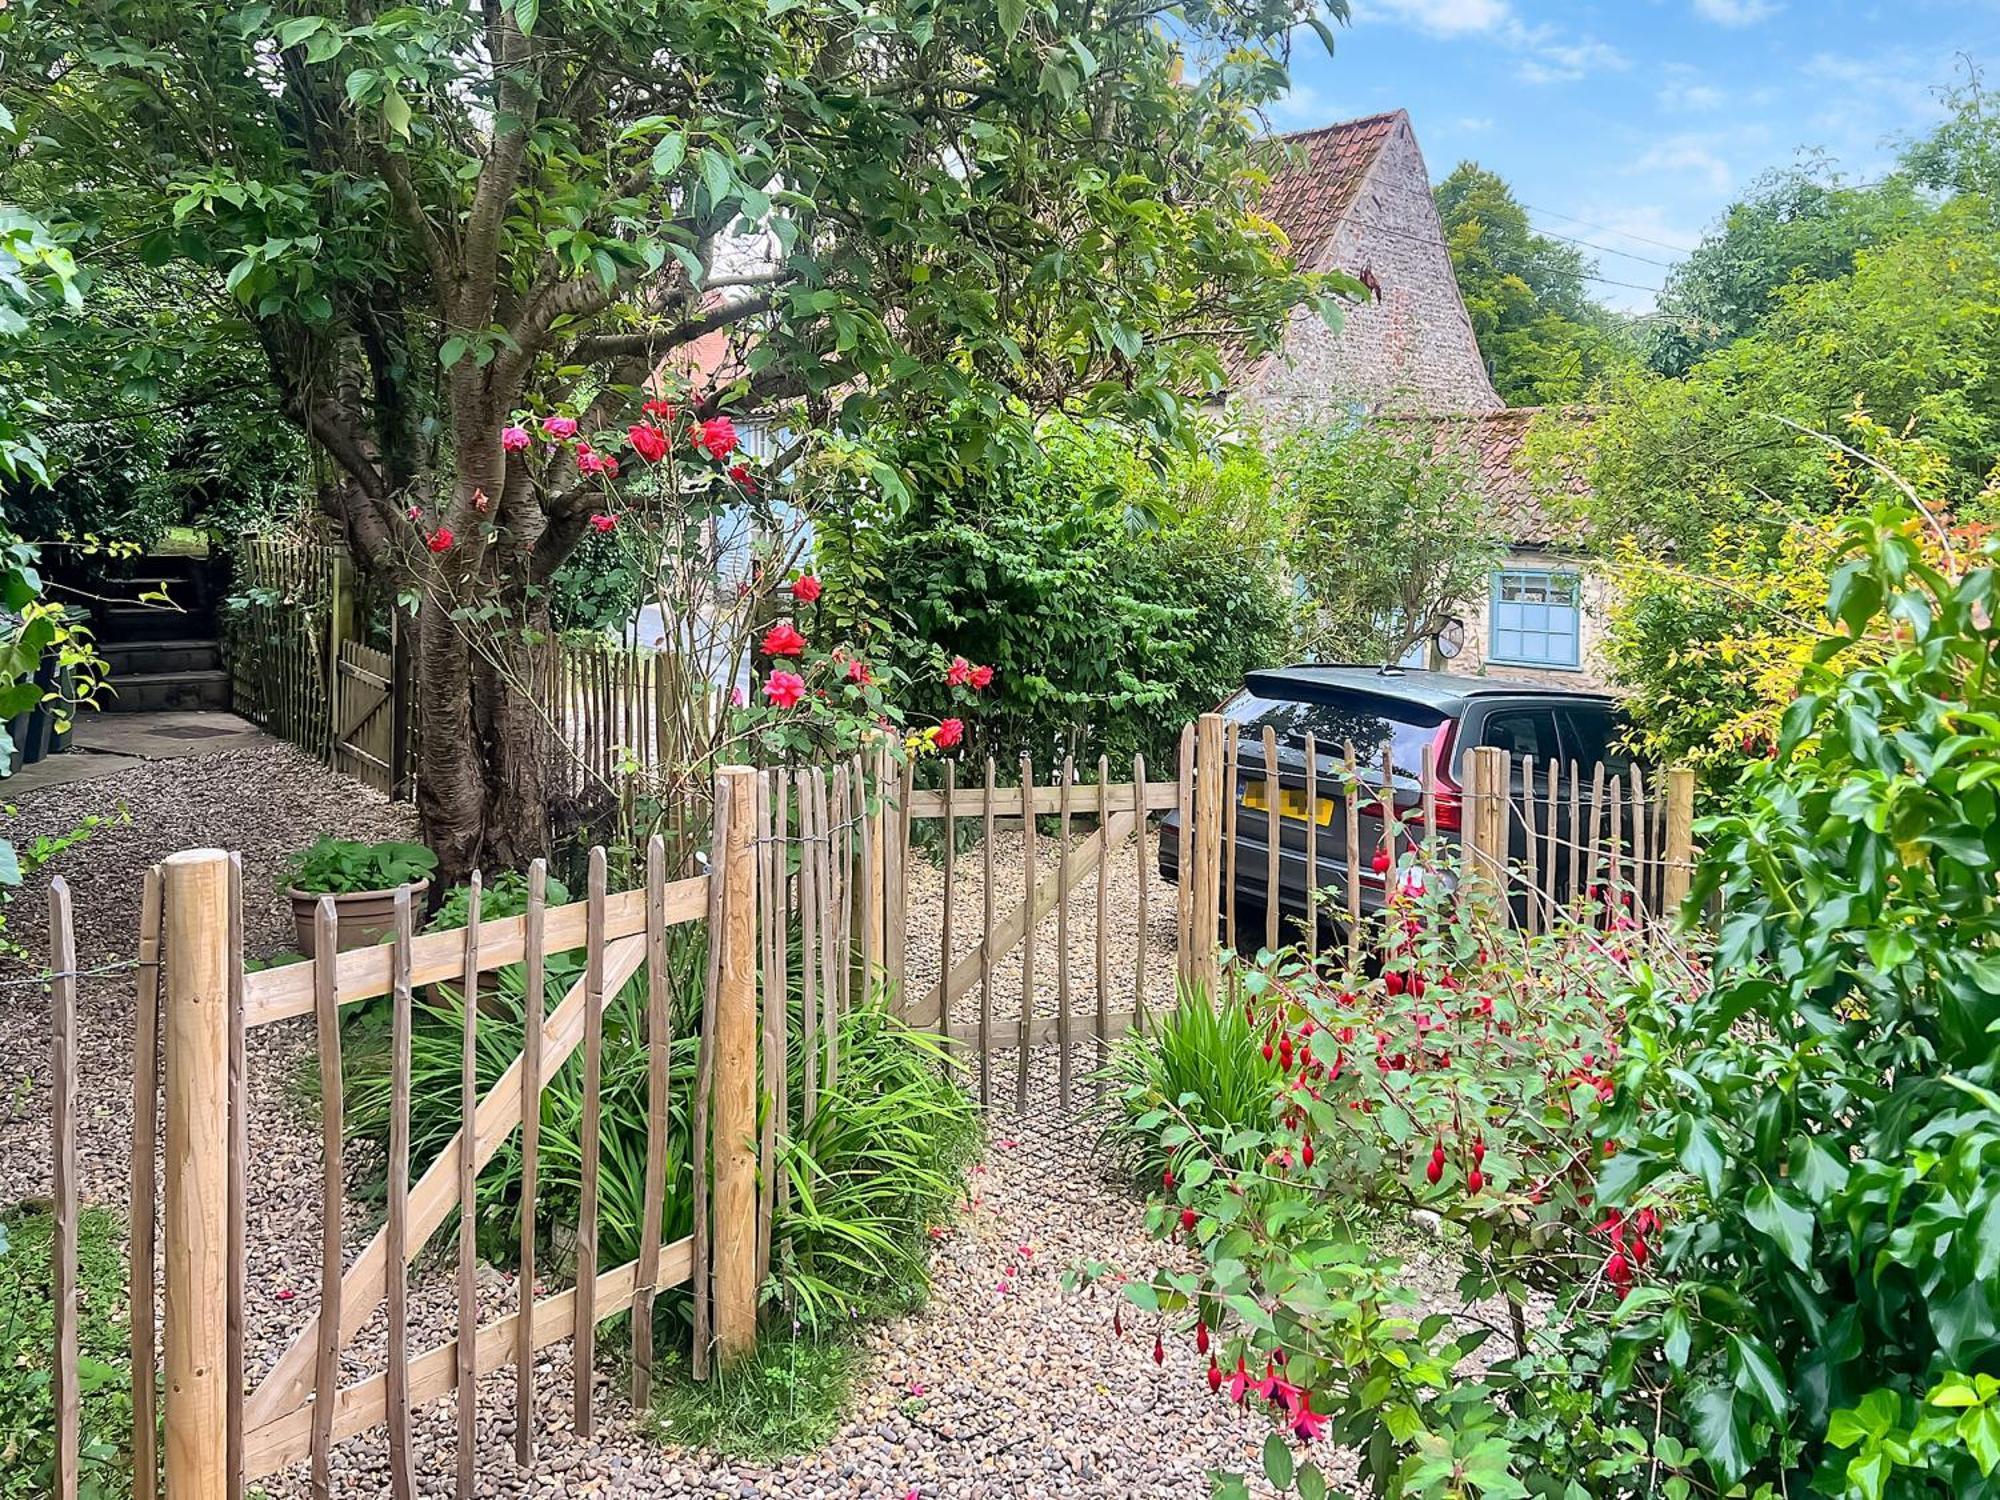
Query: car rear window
point(1334, 717)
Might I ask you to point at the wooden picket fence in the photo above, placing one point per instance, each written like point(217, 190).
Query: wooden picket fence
point(812, 866)
point(283, 640)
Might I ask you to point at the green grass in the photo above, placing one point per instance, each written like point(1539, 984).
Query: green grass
point(27, 1342)
point(788, 1396)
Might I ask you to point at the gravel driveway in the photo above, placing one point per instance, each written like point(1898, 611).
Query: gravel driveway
point(1003, 1386)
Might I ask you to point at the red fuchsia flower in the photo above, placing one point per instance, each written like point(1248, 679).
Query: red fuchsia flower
point(1435, 1170)
point(784, 689)
point(1189, 1218)
point(1380, 863)
point(1167, 1178)
point(982, 678)
point(559, 429)
point(514, 437)
point(1239, 1382)
point(858, 673)
point(949, 733)
point(664, 410)
point(1201, 1338)
point(1159, 1351)
point(440, 540)
point(1307, 1424)
point(602, 524)
point(1475, 1180)
point(783, 639)
point(717, 435)
point(806, 589)
point(1214, 1376)
point(647, 441)
point(959, 673)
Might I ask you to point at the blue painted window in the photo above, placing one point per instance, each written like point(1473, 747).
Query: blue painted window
point(1536, 619)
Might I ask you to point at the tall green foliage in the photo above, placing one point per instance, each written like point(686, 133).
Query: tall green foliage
point(1545, 339)
point(1388, 533)
point(1113, 600)
point(1825, 1117)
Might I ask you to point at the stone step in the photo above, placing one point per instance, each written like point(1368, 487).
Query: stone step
point(117, 623)
point(146, 692)
point(141, 658)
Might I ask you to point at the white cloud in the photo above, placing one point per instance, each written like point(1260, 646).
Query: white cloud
point(1736, 12)
point(1691, 154)
point(1683, 97)
point(1548, 55)
point(1474, 124)
point(1441, 17)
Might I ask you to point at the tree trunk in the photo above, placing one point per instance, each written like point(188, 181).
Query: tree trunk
point(482, 747)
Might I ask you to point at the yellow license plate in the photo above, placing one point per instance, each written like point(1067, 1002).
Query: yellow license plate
point(1291, 804)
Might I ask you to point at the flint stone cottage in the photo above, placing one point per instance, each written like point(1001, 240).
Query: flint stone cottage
point(1356, 197)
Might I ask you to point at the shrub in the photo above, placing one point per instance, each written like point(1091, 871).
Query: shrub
point(1827, 1112)
point(1112, 600)
point(1467, 1081)
point(27, 1337)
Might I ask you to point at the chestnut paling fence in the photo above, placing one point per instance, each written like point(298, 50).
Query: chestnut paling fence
point(809, 869)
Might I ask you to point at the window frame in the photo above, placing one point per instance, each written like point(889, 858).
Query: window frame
point(1501, 659)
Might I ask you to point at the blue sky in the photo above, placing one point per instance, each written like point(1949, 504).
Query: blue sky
point(1632, 123)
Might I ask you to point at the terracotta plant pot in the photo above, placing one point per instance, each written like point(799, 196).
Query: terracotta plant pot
point(361, 916)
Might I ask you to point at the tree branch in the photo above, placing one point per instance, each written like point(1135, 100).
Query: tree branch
point(653, 343)
point(514, 115)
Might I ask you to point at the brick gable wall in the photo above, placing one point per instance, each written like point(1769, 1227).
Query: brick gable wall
point(1412, 349)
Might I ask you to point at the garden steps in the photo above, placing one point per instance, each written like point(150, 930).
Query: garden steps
point(151, 692)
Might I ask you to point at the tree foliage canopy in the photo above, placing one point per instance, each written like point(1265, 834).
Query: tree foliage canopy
point(1547, 341)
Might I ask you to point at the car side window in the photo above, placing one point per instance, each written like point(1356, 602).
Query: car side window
point(1590, 737)
point(1521, 732)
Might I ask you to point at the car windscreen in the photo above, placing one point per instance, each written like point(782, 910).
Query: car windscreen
point(1334, 717)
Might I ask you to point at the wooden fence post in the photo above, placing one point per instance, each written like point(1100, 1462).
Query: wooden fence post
point(1206, 891)
point(1679, 851)
point(1486, 833)
point(735, 1135)
point(197, 1163)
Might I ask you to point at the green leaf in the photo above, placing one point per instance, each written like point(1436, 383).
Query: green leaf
point(1277, 1461)
point(1311, 1483)
point(1699, 1152)
point(669, 151)
point(526, 13)
point(1013, 16)
point(1778, 1215)
point(396, 112)
point(1757, 1374)
point(1720, 1432)
point(453, 350)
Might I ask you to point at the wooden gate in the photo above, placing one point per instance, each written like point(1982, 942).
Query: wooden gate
point(364, 715)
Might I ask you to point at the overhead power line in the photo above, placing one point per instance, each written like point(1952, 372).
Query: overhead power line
point(1570, 239)
point(1606, 229)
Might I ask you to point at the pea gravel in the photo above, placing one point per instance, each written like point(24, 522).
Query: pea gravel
point(1003, 1385)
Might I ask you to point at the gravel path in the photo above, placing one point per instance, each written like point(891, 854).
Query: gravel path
point(1004, 1385)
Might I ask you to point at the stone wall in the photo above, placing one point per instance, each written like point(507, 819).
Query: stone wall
point(1412, 349)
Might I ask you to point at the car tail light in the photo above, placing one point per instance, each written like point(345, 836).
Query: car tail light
point(1450, 796)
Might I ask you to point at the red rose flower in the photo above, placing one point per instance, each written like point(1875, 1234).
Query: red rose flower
point(805, 588)
point(784, 689)
point(647, 441)
point(664, 410)
point(440, 540)
point(717, 435)
point(782, 639)
point(982, 678)
point(743, 479)
point(949, 733)
point(959, 673)
point(858, 673)
point(602, 524)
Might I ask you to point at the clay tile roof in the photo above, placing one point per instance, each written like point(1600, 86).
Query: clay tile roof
point(1310, 193)
point(1493, 442)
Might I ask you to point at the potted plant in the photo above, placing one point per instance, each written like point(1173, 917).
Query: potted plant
point(362, 879)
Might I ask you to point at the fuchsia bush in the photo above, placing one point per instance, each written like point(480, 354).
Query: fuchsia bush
point(1461, 1081)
